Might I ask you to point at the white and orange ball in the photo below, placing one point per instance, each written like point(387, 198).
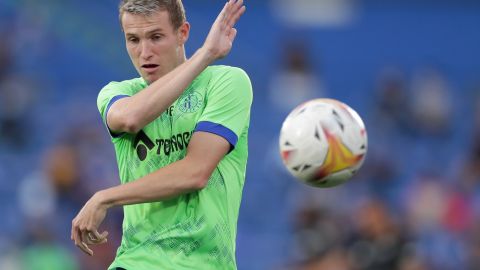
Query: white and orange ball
point(323, 142)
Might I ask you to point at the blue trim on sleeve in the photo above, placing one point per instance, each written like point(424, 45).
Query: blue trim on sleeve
point(219, 130)
point(113, 100)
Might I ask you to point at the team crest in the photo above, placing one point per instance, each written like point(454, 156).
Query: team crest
point(191, 102)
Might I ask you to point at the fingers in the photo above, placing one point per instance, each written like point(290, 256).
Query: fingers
point(77, 235)
point(232, 34)
point(236, 16)
point(225, 13)
point(94, 238)
point(84, 247)
point(90, 238)
point(102, 236)
point(84, 238)
point(231, 12)
point(236, 12)
point(237, 5)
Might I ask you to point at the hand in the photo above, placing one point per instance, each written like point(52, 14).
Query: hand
point(222, 34)
point(85, 225)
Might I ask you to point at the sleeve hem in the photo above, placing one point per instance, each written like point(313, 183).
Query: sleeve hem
point(219, 130)
point(113, 100)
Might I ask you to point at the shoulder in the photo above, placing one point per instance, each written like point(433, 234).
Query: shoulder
point(230, 82)
point(115, 89)
point(132, 84)
point(228, 71)
point(231, 77)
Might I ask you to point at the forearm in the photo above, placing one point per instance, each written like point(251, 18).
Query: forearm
point(150, 103)
point(171, 181)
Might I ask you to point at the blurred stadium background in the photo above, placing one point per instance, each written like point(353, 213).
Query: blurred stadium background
point(410, 68)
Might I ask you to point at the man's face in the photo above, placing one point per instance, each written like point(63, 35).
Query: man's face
point(154, 46)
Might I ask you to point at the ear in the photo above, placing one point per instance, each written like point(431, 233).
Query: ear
point(183, 33)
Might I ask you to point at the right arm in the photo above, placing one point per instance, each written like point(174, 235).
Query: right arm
point(131, 114)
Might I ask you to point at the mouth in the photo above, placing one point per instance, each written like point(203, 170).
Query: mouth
point(150, 67)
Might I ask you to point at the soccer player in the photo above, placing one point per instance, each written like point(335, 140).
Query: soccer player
point(180, 137)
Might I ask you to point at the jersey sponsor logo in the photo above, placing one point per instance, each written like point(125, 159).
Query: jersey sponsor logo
point(191, 102)
point(175, 143)
point(143, 144)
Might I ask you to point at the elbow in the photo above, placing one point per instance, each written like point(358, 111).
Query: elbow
point(123, 123)
point(200, 179)
point(130, 125)
point(121, 118)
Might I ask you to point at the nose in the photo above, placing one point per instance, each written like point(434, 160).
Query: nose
point(145, 50)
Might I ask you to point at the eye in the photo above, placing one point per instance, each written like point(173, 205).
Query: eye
point(132, 40)
point(157, 37)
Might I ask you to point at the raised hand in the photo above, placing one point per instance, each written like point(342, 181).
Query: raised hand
point(222, 34)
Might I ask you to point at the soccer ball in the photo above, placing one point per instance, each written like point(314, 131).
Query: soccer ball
point(323, 142)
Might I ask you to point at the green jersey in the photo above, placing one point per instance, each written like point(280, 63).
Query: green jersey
point(195, 230)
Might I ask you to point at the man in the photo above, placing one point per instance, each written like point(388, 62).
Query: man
point(180, 136)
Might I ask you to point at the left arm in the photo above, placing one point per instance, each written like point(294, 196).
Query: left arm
point(204, 152)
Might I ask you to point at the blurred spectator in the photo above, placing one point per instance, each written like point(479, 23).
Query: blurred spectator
point(388, 124)
point(16, 96)
point(315, 233)
point(468, 185)
point(473, 241)
point(317, 13)
point(412, 263)
point(37, 197)
point(432, 208)
point(392, 110)
point(426, 204)
point(16, 99)
point(63, 170)
point(470, 170)
point(378, 242)
point(380, 175)
point(296, 81)
point(5, 54)
point(335, 259)
point(432, 104)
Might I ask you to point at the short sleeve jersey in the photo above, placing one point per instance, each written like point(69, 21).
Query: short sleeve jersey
point(195, 230)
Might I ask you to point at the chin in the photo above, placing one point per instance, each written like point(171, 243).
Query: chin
point(150, 78)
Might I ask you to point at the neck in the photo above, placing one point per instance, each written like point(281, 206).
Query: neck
point(182, 57)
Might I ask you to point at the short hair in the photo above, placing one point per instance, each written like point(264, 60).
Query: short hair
point(174, 8)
